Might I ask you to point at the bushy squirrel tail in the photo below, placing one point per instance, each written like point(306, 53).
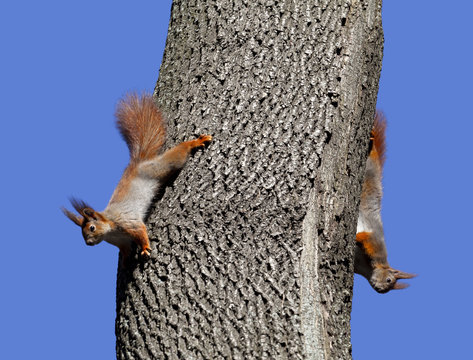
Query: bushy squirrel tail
point(379, 137)
point(141, 125)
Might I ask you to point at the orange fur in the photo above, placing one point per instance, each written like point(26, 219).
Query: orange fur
point(365, 238)
point(124, 185)
point(175, 158)
point(140, 237)
point(379, 138)
point(141, 126)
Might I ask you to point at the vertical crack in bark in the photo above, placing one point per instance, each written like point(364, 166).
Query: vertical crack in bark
point(312, 317)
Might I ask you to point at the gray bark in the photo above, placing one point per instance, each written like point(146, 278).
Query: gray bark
point(253, 242)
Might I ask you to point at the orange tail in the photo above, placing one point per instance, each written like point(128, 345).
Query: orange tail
point(379, 136)
point(141, 126)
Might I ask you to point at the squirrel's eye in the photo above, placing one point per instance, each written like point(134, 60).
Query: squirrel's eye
point(388, 280)
point(92, 228)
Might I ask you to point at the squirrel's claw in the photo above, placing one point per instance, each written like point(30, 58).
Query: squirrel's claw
point(145, 253)
point(204, 139)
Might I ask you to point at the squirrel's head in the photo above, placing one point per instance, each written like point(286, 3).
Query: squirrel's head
point(93, 224)
point(384, 279)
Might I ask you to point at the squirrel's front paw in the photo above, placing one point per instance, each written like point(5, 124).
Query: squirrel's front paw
point(145, 253)
point(203, 139)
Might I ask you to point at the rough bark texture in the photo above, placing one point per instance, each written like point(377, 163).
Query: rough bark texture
point(253, 241)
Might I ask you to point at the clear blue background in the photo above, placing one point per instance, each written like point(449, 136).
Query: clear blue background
point(63, 67)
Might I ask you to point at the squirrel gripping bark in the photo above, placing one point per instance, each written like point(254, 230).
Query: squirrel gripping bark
point(121, 223)
point(371, 258)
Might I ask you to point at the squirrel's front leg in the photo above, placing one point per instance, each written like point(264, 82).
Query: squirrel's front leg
point(174, 159)
point(139, 235)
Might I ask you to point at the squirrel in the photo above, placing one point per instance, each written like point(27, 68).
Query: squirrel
point(121, 223)
point(370, 252)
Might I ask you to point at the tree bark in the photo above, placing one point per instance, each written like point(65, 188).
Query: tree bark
point(253, 242)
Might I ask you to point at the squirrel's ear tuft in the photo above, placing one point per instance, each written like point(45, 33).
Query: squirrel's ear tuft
point(81, 207)
point(399, 286)
point(402, 275)
point(73, 217)
point(89, 212)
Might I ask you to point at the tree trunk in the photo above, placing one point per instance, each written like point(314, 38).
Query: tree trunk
point(253, 242)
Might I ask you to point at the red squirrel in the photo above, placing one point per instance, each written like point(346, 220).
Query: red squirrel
point(371, 258)
point(143, 129)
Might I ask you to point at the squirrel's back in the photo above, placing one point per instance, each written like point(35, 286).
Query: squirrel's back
point(369, 218)
point(141, 125)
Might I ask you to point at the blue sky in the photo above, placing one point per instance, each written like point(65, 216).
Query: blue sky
point(63, 67)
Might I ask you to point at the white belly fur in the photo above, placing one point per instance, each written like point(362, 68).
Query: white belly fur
point(138, 199)
point(362, 225)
